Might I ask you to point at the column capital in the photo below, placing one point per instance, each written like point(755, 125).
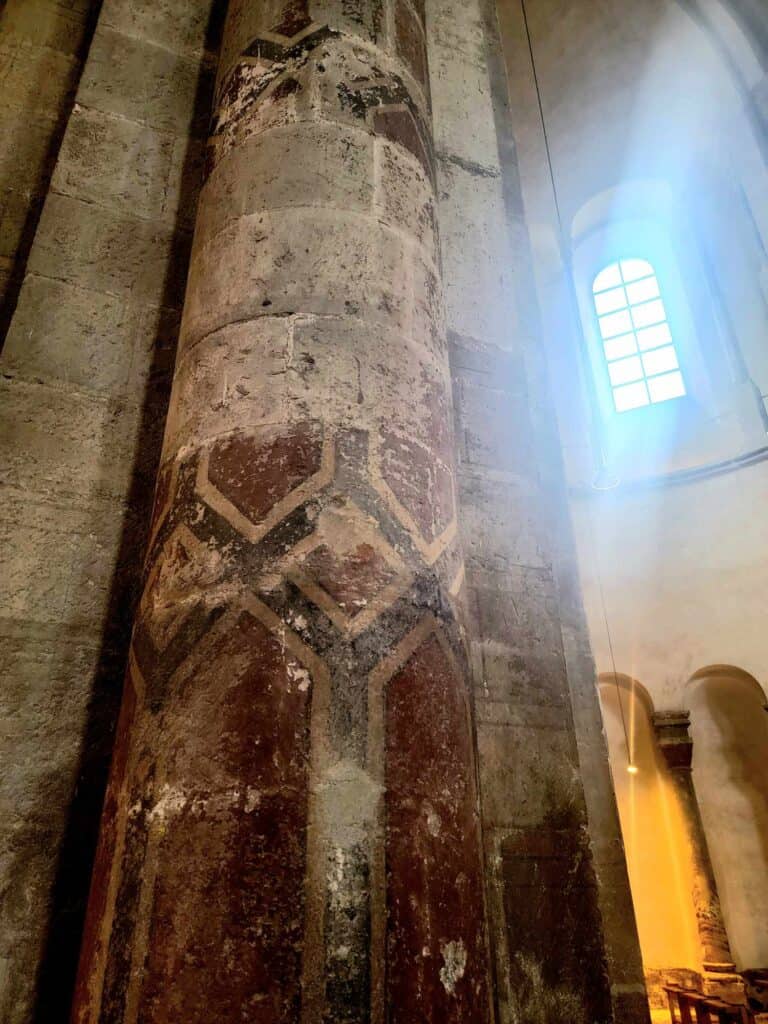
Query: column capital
point(674, 739)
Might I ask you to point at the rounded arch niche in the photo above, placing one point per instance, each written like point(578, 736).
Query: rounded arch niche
point(729, 727)
point(655, 838)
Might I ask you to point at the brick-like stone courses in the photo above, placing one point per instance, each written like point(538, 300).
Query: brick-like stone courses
point(292, 826)
point(85, 384)
point(42, 47)
point(546, 928)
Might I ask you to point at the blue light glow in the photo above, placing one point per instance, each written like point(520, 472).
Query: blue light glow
point(637, 341)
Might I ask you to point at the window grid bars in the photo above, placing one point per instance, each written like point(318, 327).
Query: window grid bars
point(637, 343)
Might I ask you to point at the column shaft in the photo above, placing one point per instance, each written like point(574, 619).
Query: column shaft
point(677, 747)
point(291, 829)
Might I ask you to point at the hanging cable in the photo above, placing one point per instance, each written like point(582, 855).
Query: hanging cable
point(595, 426)
point(596, 431)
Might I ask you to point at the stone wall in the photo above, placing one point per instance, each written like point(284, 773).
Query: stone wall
point(42, 47)
point(85, 380)
point(86, 373)
point(562, 925)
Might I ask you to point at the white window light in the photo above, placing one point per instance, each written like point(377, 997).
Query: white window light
point(637, 343)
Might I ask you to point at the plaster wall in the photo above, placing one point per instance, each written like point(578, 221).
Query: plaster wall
point(650, 120)
point(730, 736)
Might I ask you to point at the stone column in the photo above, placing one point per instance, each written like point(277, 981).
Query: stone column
point(291, 827)
point(676, 745)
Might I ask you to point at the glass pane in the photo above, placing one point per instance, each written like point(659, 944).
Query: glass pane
point(642, 291)
point(608, 302)
point(633, 270)
point(669, 386)
point(649, 313)
point(615, 323)
point(652, 337)
point(608, 278)
point(631, 396)
point(625, 370)
point(617, 348)
point(660, 361)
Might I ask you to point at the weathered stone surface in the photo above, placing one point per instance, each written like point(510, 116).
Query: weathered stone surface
point(157, 22)
point(297, 619)
point(41, 50)
point(87, 358)
point(268, 261)
point(554, 931)
point(142, 81)
point(132, 157)
point(70, 334)
point(435, 938)
point(292, 828)
point(108, 251)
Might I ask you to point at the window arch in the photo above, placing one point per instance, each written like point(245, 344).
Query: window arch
point(639, 350)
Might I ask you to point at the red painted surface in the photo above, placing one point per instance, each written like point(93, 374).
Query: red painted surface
point(351, 579)
point(436, 955)
point(420, 482)
point(226, 914)
point(256, 474)
point(92, 948)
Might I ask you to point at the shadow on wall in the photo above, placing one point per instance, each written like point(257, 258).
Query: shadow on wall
point(52, 95)
point(59, 961)
point(729, 725)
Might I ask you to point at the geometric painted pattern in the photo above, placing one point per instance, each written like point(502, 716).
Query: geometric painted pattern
point(350, 560)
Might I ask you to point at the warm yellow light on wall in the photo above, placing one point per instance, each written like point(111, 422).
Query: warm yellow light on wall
point(632, 769)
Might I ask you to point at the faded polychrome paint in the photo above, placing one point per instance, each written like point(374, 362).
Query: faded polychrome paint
point(292, 828)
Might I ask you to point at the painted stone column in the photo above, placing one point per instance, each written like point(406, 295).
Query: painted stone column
point(676, 745)
point(291, 827)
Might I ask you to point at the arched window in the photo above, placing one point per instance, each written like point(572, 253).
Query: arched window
point(637, 342)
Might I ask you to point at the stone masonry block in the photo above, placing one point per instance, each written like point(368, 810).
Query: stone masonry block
point(479, 293)
point(35, 77)
point(371, 378)
point(488, 366)
point(234, 378)
point(494, 429)
point(134, 162)
point(181, 28)
point(404, 196)
point(60, 443)
point(145, 83)
point(501, 523)
point(301, 260)
point(108, 252)
point(519, 675)
point(462, 103)
point(327, 165)
point(526, 773)
point(517, 610)
point(248, 22)
point(25, 151)
point(69, 334)
point(51, 25)
point(58, 562)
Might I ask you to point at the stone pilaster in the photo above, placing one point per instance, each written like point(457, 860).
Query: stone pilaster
point(676, 745)
point(291, 829)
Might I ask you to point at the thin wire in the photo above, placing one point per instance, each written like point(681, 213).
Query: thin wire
point(563, 253)
point(541, 118)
